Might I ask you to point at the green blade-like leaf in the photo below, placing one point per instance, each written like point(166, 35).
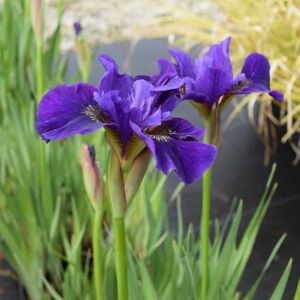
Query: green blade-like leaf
point(280, 288)
point(297, 294)
point(250, 295)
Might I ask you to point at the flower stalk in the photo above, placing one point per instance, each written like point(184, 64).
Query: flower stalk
point(212, 136)
point(98, 254)
point(205, 220)
point(121, 260)
point(118, 208)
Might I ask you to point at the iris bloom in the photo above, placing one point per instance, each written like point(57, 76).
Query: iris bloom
point(210, 79)
point(132, 115)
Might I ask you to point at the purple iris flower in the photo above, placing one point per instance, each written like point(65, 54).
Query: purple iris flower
point(210, 79)
point(129, 109)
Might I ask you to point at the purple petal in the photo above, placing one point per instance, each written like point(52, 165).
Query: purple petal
point(167, 71)
point(141, 97)
point(77, 28)
point(112, 80)
point(109, 103)
point(184, 62)
point(219, 53)
point(166, 67)
point(238, 79)
point(168, 103)
point(276, 95)
point(212, 83)
point(188, 157)
point(183, 129)
point(108, 63)
point(172, 84)
point(257, 71)
point(118, 110)
point(154, 119)
point(213, 74)
point(62, 112)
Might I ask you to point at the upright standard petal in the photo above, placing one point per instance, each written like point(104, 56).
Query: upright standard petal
point(112, 79)
point(211, 84)
point(166, 72)
point(167, 79)
point(256, 69)
point(67, 110)
point(219, 53)
point(174, 146)
point(184, 63)
point(214, 73)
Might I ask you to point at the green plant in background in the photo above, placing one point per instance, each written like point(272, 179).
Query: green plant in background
point(50, 226)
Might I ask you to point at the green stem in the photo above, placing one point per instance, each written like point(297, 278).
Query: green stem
point(98, 255)
point(205, 220)
point(212, 134)
point(121, 264)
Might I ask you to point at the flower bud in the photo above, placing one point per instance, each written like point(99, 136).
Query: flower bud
point(37, 18)
point(136, 174)
point(83, 52)
point(91, 176)
point(117, 195)
point(77, 28)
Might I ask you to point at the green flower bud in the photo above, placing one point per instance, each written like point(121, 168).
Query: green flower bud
point(91, 176)
point(116, 187)
point(37, 18)
point(136, 174)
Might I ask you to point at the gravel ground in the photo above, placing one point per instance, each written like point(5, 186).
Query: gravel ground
point(105, 22)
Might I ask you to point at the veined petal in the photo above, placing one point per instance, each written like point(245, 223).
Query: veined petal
point(183, 129)
point(141, 97)
point(213, 73)
point(67, 110)
point(189, 159)
point(118, 110)
point(219, 53)
point(178, 150)
point(212, 83)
